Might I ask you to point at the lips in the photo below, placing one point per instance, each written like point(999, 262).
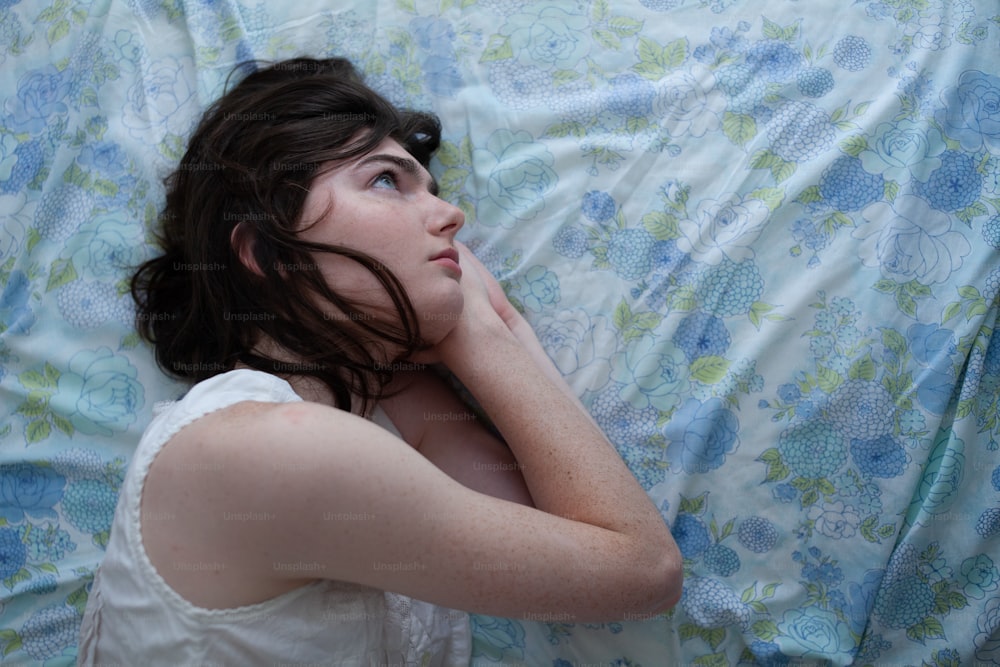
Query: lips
point(449, 253)
point(449, 258)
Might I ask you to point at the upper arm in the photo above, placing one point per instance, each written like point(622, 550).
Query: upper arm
point(430, 416)
point(357, 504)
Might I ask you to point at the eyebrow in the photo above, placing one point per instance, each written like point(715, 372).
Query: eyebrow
point(407, 165)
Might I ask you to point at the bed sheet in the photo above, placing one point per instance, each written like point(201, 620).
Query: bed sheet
point(760, 240)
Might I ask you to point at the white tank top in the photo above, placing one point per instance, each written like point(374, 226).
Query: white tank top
point(134, 618)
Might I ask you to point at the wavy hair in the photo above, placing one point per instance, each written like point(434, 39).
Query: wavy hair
point(248, 168)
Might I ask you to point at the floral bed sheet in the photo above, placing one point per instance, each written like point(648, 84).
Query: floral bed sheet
point(760, 239)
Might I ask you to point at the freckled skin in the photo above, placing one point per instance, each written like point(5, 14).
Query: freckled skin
point(547, 523)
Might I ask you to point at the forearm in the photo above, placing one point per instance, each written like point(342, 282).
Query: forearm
point(569, 466)
point(529, 341)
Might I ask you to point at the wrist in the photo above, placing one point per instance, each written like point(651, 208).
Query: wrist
point(468, 348)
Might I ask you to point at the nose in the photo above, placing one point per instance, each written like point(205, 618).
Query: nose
point(446, 218)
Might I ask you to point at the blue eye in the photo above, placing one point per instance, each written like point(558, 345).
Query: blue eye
point(385, 180)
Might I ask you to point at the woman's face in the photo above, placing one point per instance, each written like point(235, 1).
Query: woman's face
point(384, 205)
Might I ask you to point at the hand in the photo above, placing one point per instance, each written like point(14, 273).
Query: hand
point(485, 305)
point(498, 299)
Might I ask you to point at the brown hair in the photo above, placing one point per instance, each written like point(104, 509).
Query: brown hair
point(250, 163)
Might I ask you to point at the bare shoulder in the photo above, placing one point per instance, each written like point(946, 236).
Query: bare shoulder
point(239, 471)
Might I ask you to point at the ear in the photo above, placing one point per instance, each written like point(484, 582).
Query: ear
point(242, 241)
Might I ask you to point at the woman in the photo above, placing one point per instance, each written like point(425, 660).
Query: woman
point(320, 496)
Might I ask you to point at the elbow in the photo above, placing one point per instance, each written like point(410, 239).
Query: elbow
point(665, 578)
point(669, 583)
point(672, 588)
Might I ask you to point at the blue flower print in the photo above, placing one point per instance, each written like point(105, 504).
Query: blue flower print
point(86, 304)
point(539, 288)
point(62, 211)
point(89, 505)
point(775, 60)
point(988, 523)
point(904, 601)
point(860, 409)
point(701, 434)
point(667, 258)
point(814, 81)
point(991, 231)
point(106, 157)
point(660, 5)
point(757, 534)
point(852, 53)
point(442, 75)
point(29, 489)
point(709, 603)
point(700, 335)
point(817, 633)
point(49, 631)
point(626, 427)
point(929, 343)
point(954, 185)
point(105, 247)
point(724, 39)
point(846, 186)
point(991, 174)
point(768, 654)
point(721, 560)
point(934, 389)
point(41, 93)
point(690, 534)
point(29, 158)
point(630, 253)
point(784, 492)
point(690, 103)
point(8, 155)
point(99, 393)
point(745, 91)
point(651, 374)
point(575, 341)
point(552, 38)
point(836, 520)
point(433, 35)
point(789, 393)
point(908, 240)
point(861, 598)
point(162, 101)
point(518, 176)
point(13, 553)
point(903, 150)
point(570, 241)
point(729, 288)
point(942, 476)
point(47, 544)
point(598, 206)
point(630, 95)
point(971, 112)
point(980, 576)
point(812, 449)
point(496, 638)
point(16, 317)
point(800, 131)
point(882, 457)
point(723, 229)
point(520, 86)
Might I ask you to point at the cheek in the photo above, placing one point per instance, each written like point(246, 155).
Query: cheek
point(438, 321)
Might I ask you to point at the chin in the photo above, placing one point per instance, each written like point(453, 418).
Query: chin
point(437, 322)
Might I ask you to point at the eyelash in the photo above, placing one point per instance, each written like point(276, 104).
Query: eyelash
point(387, 174)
